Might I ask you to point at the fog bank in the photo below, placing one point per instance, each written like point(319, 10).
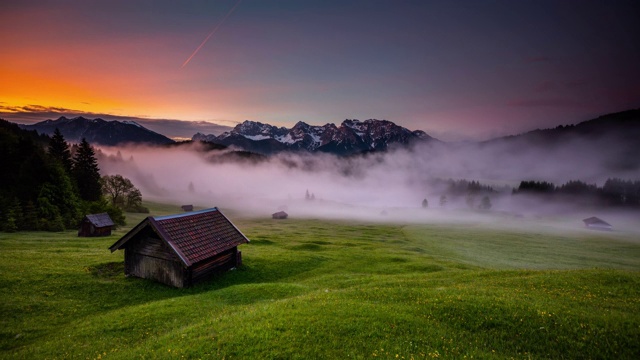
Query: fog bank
point(380, 187)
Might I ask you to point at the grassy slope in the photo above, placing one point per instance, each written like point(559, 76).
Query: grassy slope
point(321, 289)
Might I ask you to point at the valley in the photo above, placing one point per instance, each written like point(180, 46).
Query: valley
point(358, 289)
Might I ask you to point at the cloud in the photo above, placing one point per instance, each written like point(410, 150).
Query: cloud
point(360, 187)
point(181, 128)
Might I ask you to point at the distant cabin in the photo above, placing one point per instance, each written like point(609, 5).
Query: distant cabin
point(96, 225)
point(187, 207)
point(597, 224)
point(280, 215)
point(181, 250)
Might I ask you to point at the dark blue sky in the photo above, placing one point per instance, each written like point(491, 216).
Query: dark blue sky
point(456, 69)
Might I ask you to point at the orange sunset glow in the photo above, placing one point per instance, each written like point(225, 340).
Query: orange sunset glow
point(228, 61)
point(320, 179)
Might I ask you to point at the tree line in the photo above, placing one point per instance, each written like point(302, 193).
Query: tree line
point(476, 195)
point(614, 193)
point(47, 185)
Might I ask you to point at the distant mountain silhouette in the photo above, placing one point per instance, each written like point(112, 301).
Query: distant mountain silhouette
point(611, 141)
point(99, 131)
point(617, 134)
point(624, 125)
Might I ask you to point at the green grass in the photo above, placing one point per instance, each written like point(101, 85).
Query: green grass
point(328, 289)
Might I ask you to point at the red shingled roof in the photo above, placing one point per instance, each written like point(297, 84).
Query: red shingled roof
point(194, 236)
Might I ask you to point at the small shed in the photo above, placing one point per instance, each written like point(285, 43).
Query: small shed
point(183, 249)
point(96, 225)
point(597, 224)
point(187, 207)
point(280, 215)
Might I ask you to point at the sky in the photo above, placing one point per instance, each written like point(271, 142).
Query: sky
point(459, 70)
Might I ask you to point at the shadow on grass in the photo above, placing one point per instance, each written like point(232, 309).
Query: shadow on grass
point(262, 242)
point(268, 279)
point(110, 270)
point(307, 247)
point(261, 271)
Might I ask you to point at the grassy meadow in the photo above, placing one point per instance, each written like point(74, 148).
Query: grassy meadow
point(333, 290)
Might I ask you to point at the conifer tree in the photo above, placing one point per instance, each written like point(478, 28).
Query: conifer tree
point(58, 201)
point(30, 214)
point(59, 150)
point(86, 173)
point(485, 204)
point(443, 200)
point(12, 218)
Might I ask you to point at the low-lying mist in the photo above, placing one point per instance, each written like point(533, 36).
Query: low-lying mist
point(388, 186)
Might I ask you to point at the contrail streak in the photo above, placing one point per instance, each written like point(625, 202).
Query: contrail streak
point(211, 34)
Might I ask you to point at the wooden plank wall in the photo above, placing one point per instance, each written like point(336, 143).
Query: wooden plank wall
point(150, 258)
point(86, 230)
point(161, 270)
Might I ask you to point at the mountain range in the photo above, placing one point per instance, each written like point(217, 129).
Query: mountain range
point(624, 125)
point(352, 136)
point(99, 131)
point(617, 133)
point(614, 139)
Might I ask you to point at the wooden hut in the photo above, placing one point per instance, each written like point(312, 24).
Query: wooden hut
point(279, 215)
point(181, 250)
point(187, 207)
point(596, 223)
point(96, 225)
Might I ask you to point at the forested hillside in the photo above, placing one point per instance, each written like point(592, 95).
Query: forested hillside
point(43, 186)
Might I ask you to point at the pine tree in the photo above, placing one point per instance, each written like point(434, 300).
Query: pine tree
point(86, 173)
point(48, 214)
point(485, 204)
point(30, 216)
point(58, 201)
point(443, 200)
point(59, 150)
point(16, 211)
point(13, 217)
point(471, 201)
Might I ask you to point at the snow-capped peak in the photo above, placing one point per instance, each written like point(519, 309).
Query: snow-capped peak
point(351, 136)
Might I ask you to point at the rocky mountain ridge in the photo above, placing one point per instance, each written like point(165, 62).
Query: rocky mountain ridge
point(352, 136)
